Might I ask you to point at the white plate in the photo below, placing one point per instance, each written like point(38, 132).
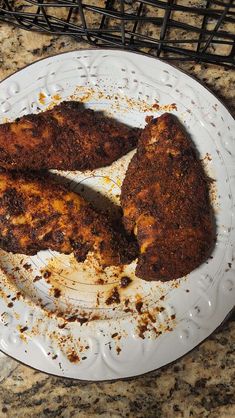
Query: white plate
point(175, 316)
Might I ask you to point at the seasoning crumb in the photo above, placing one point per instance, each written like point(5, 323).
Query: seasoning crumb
point(114, 297)
point(126, 303)
point(125, 281)
point(36, 278)
point(57, 293)
point(73, 357)
point(41, 98)
point(10, 305)
point(76, 318)
point(27, 266)
point(118, 349)
point(114, 335)
point(46, 274)
point(152, 319)
point(23, 329)
point(142, 330)
point(139, 306)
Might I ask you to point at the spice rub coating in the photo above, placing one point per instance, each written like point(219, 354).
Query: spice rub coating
point(67, 137)
point(38, 213)
point(165, 201)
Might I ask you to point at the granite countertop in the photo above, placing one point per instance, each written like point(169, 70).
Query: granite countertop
point(199, 385)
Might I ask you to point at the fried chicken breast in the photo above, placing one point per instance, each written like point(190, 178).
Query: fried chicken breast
point(38, 213)
point(166, 202)
point(67, 137)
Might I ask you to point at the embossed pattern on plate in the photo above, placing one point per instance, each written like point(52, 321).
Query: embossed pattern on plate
point(121, 339)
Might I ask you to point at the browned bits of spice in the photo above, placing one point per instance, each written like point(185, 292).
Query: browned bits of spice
point(76, 318)
point(72, 318)
point(56, 97)
point(114, 335)
point(23, 329)
point(127, 301)
point(168, 328)
point(100, 281)
point(156, 106)
point(82, 320)
point(73, 357)
point(142, 330)
point(10, 305)
point(54, 357)
point(27, 266)
point(41, 98)
point(57, 293)
point(173, 316)
point(113, 298)
point(125, 281)
point(46, 274)
point(162, 297)
point(118, 349)
point(95, 318)
point(152, 319)
point(161, 309)
point(139, 306)
point(36, 278)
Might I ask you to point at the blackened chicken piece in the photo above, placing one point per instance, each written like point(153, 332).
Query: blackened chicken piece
point(67, 137)
point(166, 203)
point(38, 213)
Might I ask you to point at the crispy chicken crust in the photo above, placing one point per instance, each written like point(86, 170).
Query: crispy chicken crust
point(38, 213)
point(166, 202)
point(67, 137)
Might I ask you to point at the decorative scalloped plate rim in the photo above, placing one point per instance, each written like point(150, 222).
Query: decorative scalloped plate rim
point(212, 286)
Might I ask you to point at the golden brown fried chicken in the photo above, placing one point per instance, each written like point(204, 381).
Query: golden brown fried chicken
point(165, 201)
point(38, 213)
point(67, 137)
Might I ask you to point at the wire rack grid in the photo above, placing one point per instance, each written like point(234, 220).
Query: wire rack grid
point(171, 29)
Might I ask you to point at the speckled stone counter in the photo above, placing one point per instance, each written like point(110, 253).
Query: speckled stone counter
point(199, 385)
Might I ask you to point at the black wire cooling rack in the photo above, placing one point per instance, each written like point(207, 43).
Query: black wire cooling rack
point(171, 29)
